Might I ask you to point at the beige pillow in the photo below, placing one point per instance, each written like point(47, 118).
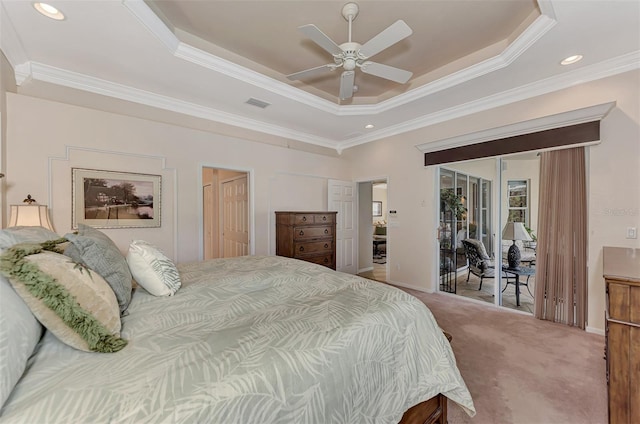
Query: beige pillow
point(73, 302)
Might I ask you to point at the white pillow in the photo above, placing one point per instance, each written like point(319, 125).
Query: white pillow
point(151, 269)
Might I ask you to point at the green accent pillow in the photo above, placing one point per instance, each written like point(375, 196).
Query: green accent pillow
point(97, 251)
point(71, 301)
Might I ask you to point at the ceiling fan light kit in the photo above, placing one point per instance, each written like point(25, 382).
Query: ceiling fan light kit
point(352, 55)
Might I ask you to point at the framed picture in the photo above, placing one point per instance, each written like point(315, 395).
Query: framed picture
point(109, 199)
point(377, 208)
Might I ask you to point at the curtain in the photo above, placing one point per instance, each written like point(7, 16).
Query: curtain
point(561, 258)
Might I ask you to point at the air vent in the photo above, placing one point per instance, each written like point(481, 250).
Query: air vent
point(257, 103)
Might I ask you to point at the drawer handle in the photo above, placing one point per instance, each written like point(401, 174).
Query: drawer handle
point(326, 260)
point(324, 218)
point(326, 231)
point(326, 245)
point(302, 248)
point(301, 232)
point(304, 218)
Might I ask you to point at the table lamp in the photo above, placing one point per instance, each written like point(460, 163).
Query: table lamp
point(30, 215)
point(515, 231)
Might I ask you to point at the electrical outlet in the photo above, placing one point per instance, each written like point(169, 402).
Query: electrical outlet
point(632, 233)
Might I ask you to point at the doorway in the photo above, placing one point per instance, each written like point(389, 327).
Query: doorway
point(225, 213)
point(373, 223)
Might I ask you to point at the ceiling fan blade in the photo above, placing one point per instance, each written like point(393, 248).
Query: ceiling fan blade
point(386, 71)
point(394, 33)
point(346, 84)
point(308, 73)
point(320, 38)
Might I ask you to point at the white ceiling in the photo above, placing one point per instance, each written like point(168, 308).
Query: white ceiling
point(207, 58)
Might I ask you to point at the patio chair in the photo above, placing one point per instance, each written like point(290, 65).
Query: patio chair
point(480, 264)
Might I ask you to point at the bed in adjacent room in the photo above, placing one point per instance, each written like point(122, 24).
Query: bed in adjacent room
point(246, 340)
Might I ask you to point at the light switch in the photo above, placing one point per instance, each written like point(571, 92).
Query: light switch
point(632, 233)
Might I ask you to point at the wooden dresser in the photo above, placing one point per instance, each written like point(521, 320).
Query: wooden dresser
point(621, 269)
point(310, 236)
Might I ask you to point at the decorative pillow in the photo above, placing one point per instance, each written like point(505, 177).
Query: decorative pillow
point(14, 235)
point(71, 301)
point(95, 250)
point(152, 269)
point(20, 331)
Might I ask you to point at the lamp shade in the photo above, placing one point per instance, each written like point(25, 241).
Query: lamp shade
point(515, 231)
point(30, 216)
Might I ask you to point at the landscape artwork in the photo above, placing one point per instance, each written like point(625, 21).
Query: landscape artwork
point(109, 199)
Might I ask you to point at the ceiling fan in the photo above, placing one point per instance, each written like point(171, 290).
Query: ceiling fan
point(352, 55)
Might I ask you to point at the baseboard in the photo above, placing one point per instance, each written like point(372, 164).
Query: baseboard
point(365, 269)
point(595, 330)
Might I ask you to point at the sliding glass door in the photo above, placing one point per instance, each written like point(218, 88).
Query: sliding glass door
point(465, 213)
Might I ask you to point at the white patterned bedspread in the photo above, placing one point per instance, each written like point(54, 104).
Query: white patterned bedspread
point(251, 340)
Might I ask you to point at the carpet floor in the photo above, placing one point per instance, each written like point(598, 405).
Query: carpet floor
point(521, 370)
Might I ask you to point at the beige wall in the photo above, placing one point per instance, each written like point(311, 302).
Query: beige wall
point(46, 139)
point(614, 179)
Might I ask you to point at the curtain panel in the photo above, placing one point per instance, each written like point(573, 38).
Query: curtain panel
point(561, 259)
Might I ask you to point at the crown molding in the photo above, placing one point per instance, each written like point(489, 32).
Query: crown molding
point(184, 51)
point(583, 75)
point(564, 119)
point(90, 84)
point(532, 34)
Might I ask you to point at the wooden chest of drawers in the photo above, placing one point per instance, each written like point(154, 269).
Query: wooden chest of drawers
point(621, 268)
point(309, 236)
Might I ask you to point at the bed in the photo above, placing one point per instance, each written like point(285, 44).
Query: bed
point(252, 339)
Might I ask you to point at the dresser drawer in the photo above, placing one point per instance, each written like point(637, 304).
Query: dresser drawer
point(326, 260)
point(313, 218)
point(312, 247)
point(306, 233)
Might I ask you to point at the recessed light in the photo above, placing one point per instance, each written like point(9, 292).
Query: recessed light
point(48, 11)
point(571, 59)
point(369, 126)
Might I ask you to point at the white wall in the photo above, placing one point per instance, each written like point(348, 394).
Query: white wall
point(614, 179)
point(46, 139)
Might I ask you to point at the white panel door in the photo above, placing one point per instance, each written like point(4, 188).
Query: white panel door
point(235, 201)
point(342, 198)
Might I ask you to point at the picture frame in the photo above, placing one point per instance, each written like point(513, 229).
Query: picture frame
point(377, 208)
point(112, 199)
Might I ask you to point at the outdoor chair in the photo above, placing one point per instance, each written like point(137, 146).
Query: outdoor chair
point(480, 264)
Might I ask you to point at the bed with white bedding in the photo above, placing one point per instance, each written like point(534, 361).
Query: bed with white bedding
point(248, 340)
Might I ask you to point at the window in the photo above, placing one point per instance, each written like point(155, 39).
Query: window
point(518, 201)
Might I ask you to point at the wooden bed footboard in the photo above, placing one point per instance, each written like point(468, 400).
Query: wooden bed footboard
point(431, 411)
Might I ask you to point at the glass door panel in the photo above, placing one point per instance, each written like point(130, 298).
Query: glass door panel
point(446, 232)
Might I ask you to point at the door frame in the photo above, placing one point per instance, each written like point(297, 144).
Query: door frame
point(251, 208)
point(389, 250)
